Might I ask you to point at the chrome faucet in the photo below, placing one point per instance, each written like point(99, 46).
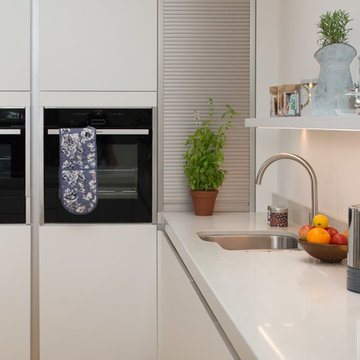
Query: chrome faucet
point(305, 164)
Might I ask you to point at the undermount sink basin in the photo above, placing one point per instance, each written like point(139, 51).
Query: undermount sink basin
point(251, 241)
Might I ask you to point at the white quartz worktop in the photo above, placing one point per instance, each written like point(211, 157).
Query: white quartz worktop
point(271, 304)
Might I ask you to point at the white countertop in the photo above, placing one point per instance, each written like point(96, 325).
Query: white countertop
point(271, 304)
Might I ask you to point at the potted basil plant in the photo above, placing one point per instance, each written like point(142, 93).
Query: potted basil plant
point(204, 158)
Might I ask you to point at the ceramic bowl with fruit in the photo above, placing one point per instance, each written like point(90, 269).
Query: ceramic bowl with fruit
point(322, 241)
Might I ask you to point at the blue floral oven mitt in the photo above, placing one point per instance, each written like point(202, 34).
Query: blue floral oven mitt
point(78, 165)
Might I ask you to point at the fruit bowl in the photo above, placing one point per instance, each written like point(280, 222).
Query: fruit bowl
point(325, 252)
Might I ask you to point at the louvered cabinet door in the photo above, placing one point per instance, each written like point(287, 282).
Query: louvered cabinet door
point(206, 53)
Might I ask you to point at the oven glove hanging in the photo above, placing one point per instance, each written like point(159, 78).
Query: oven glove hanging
point(78, 165)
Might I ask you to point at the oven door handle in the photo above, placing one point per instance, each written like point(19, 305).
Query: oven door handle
point(110, 131)
point(10, 131)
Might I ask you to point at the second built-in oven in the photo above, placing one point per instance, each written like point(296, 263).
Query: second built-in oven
point(125, 164)
point(14, 166)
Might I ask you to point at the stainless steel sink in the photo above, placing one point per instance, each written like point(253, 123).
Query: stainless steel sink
point(251, 241)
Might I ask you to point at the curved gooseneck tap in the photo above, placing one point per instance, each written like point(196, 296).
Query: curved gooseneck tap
point(305, 164)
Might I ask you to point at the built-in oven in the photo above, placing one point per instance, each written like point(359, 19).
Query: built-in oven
point(125, 164)
point(14, 166)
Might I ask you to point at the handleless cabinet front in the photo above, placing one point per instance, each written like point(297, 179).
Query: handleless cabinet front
point(15, 45)
point(98, 292)
point(15, 292)
point(186, 330)
point(98, 45)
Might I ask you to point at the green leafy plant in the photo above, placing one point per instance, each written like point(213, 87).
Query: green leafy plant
point(333, 27)
point(205, 155)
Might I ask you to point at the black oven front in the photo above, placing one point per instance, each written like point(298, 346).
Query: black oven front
point(124, 164)
point(12, 166)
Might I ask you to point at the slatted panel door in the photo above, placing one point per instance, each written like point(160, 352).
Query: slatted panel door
point(205, 53)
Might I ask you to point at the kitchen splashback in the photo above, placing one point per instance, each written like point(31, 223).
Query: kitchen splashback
point(299, 213)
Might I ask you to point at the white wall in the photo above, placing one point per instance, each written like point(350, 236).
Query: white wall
point(287, 39)
point(267, 74)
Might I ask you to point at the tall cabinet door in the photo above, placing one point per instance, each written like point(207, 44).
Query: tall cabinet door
point(15, 45)
point(98, 45)
point(98, 292)
point(15, 292)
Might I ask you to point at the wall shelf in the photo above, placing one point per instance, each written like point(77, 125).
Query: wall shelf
point(339, 123)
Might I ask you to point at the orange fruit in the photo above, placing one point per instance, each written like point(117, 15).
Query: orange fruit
point(318, 235)
point(320, 221)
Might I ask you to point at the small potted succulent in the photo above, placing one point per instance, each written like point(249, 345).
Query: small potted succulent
point(204, 158)
point(334, 57)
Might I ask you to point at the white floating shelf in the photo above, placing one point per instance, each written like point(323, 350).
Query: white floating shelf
point(339, 123)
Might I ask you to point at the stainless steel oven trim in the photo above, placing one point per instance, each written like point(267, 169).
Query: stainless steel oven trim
point(154, 166)
point(110, 131)
point(10, 131)
point(27, 167)
point(13, 107)
point(110, 107)
point(41, 211)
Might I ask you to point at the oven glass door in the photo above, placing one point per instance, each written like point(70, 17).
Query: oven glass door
point(124, 178)
point(12, 166)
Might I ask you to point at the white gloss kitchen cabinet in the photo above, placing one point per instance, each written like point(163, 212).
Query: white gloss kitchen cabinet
point(15, 45)
point(186, 329)
point(15, 292)
point(97, 292)
point(98, 45)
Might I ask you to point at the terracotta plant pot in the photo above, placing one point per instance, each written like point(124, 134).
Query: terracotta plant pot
point(204, 202)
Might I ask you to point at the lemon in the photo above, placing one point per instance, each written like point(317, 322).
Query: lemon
point(320, 221)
